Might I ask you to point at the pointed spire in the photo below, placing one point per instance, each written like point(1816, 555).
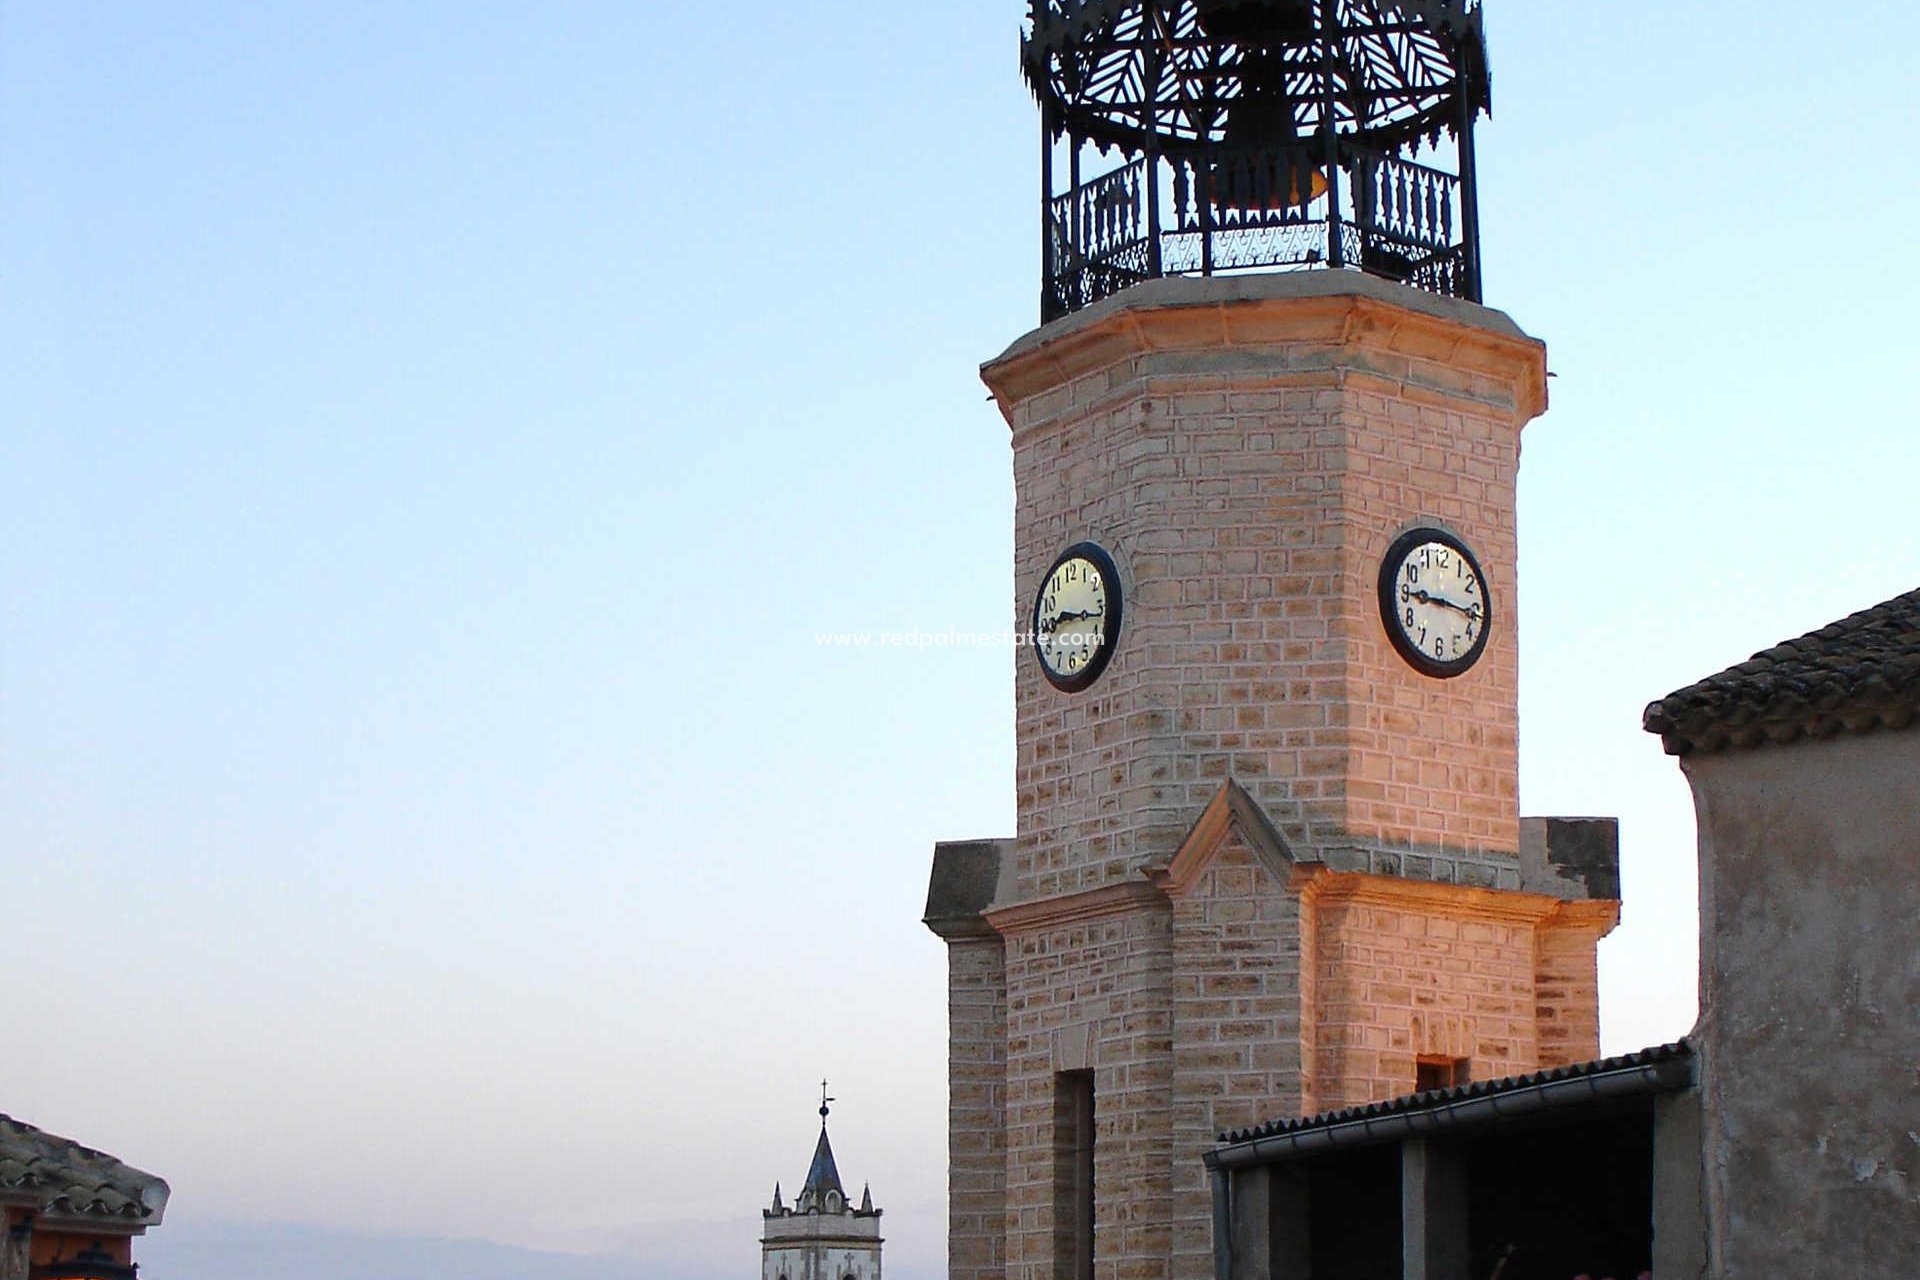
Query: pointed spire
point(777, 1206)
point(822, 1175)
point(866, 1197)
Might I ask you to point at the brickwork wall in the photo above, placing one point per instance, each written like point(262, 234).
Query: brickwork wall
point(1248, 494)
point(976, 1108)
point(1248, 463)
point(1396, 982)
point(1566, 997)
point(1433, 762)
point(1237, 1026)
point(1092, 995)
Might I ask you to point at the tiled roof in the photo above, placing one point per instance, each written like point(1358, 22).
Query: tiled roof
point(1857, 674)
point(66, 1180)
point(1432, 1099)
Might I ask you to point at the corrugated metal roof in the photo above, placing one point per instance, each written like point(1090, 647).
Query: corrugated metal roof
point(1435, 1099)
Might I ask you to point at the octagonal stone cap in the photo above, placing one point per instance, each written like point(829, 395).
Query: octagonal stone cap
point(1188, 313)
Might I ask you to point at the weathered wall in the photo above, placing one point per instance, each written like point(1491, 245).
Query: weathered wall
point(14, 1252)
point(1810, 998)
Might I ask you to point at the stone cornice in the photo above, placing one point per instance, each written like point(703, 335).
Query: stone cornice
point(961, 928)
point(1597, 914)
point(1337, 888)
point(1340, 309)
point(1089, 904)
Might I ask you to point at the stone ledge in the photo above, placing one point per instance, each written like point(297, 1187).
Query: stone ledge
point(1343, 308)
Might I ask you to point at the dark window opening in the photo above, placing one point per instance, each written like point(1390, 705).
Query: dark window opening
point(1561, 1200)
point(1353, 1214)
point(1431, 1071)
point(1073, 1175)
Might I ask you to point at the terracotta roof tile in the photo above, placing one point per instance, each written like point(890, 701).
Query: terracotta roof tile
point(1858, 674)
point(64, 1179)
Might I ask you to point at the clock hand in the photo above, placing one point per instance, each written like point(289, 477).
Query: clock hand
point(1074, 617)
point(1426, 597)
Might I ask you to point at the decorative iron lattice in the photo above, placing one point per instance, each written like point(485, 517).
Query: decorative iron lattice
point(1295, 246)
point(1401, 200)
point(1098, 238)
point(1257, 134)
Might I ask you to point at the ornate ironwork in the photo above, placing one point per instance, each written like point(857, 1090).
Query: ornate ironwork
point(1237, 135)
point(1098, 238)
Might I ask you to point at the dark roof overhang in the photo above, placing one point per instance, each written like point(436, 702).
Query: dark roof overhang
point(1667, 1069)
point(1856, 675)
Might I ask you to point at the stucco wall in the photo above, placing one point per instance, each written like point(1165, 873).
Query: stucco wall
point(1810, 991)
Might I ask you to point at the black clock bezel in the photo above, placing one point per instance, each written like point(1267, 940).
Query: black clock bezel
point(1097, 556)
point(1426, 663)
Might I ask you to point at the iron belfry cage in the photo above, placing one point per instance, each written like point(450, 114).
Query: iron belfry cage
point(1234, 135)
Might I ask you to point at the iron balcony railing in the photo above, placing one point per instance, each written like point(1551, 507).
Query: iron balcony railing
point(1229, 209)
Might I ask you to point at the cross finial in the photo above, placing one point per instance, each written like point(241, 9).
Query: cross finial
point(824, 1100)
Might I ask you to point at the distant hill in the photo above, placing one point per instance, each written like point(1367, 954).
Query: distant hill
point(210, 1252)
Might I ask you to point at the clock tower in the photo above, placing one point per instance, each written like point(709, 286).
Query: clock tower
point(1269, 852)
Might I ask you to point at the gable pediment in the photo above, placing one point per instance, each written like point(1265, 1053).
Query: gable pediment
point(1231, 812)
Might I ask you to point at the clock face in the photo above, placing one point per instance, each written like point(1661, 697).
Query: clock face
point(1434, 603)
point(1076, 617)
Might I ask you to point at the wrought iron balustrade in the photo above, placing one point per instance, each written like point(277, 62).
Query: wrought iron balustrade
point(1248, 135)
point(1220, 209)
point(1098, 238)
point(1408, 216)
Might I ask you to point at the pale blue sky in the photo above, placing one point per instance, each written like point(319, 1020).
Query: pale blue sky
point(435, 433)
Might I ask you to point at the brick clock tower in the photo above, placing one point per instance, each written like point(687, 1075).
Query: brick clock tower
point(1269, 855)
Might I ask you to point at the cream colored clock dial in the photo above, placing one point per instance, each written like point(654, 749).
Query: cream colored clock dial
point(1075, 617)
point(1434, 602)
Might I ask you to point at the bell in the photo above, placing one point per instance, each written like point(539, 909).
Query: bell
point(1264, 167)
point(1256, 22)
point(1266, 181)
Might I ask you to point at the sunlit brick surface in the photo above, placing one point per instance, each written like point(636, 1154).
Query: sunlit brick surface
point(1247, 452)
point(1249, 487)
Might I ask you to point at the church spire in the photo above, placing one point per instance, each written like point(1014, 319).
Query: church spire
point(822, 1176)
point(822, 1235)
